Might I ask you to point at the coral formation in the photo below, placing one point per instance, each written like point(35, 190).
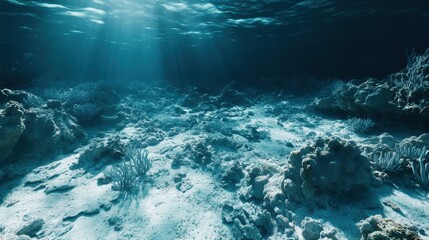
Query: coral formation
point(11, 127)
point(420, 169)
point(400, 98)
point(359, 125)
point(35, 129)
point(101, 151)
point(311, 228)
point(378, 228)
point(327, 167)
point(49, 130)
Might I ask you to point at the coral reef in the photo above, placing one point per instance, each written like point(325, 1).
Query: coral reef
point(86, 102)
point(231, 167)
point(400, 98)
point(406, 159)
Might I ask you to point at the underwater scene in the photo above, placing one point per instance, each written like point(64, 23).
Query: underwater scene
point(214, 119)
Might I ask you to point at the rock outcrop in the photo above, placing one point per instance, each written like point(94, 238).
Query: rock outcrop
point(11, 127)
point(29, 129)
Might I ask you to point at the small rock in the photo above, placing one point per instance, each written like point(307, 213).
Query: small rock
point(227, 213)
point(117, 227)
point(232, 174)
point(311, 228)
point(104, 181)
point(179, 177)
point(59, 188)
point(257, 190)
point(62, 228)
point(176, 163)
point(114, 220)
point(23, 237)
point(152, 141)
point(329, 234)
point(106, 206)
point(32, 228)
point(183, 186)
point(11, 203)
point(179, 110)
point(394, 206)
point(91, 210)
point(282, 222)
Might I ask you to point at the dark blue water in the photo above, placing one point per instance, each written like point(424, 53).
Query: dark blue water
point(210, 41)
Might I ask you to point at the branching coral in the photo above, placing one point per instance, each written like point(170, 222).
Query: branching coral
point(388, 161)
point(135, 165)
point(421, 170)
point(123, 177)
point(360, 125)
point(139, 160)
point(408, 151)
point(415, 74)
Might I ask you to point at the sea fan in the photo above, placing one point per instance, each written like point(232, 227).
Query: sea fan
point(123, 177)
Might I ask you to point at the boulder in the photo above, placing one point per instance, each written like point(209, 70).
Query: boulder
point(49, 130)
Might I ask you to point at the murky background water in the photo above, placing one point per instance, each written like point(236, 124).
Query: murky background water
point(211, 41)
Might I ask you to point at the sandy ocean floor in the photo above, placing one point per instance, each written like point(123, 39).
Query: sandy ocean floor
point(184, 197)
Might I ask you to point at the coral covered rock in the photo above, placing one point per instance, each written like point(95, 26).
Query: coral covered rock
point(28, 125)
point(327, 167)
point(232, 174)
point(7, 95)
point(101, 149)
point(49, 130)
point(11, 127)
point(248, 221)
point(378, 228)
point(311, 228)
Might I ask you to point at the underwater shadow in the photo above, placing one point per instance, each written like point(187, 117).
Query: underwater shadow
point(132, 198)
